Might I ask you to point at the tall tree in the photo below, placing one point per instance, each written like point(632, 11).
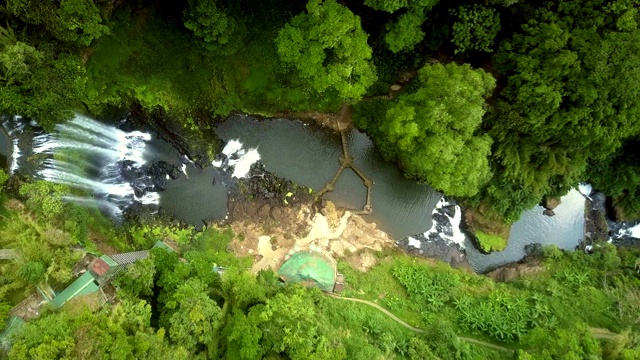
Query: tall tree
point(405, 32)
point(74, 21)
point(191, 315)
point(38, 84)
point(573, 84)
point(328, 49)
point(433, 132)
point(219, 32)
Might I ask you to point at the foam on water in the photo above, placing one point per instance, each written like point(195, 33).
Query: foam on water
point(150, 198)
point(457, 236)
point(15, 154)
point(414, 242)
point(237, 158)
point(633, 232)
point(585, 189)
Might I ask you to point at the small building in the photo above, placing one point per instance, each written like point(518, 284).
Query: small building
point(85, 284)
point(311, 269)
point(100, 271)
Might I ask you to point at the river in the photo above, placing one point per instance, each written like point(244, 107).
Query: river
point(305, 154)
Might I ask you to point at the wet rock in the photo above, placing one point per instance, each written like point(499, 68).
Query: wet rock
point(174, 173)
point(160, 183)
point(548, 212)
point(264, 211)
point(550, 202)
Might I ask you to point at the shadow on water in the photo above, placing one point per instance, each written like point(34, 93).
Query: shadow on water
point(5, 149)
point(565, 230)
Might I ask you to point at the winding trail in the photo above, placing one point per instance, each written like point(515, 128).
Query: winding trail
point(415, 329)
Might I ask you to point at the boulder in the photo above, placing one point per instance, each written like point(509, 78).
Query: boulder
point(550, 202)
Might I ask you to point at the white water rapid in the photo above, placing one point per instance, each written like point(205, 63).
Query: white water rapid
point(453, 228)
point(237, 158)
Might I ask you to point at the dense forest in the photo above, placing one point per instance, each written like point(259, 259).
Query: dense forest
point(496, 102)
point(500, 102)
point(173, 306)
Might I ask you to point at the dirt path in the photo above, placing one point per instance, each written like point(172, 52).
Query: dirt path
point(600, 333)
point(399, 321)
point(372, 304)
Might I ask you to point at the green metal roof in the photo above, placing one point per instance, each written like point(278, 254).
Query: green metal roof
point(161, 244)
point(109, 260)
point(83, 285)
point(310, 268)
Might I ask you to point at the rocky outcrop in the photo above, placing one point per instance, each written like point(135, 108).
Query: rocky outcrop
point(550, 202)
point(198, 145)
point(514, 271)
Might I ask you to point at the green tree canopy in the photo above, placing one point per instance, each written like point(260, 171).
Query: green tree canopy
point(218, 31)
point(193, 317)
point(38, 84)
point(74, 21)
point(476, 28)
point(328, 49)
point(573, 84)
point(433, 131)
point(405, 32)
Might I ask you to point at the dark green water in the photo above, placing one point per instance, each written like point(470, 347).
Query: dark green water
point(5, 150)
point(309, 156)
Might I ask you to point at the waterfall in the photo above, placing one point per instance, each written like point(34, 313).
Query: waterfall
point(101, 204)
point(14, 126)
point(632, 232)
point(89, 155)
point(585, 189)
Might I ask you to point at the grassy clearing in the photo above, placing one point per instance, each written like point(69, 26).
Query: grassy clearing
point(575, 289)
point(489, 242)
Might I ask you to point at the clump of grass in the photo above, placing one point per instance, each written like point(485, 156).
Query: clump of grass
point(490, 242)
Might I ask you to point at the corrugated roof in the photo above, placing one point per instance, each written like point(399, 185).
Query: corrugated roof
point(108, 260)
point(131, 257)
point(310, 268)
point(83, 285)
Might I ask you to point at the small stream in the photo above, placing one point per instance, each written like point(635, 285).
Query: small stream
point(305, 154)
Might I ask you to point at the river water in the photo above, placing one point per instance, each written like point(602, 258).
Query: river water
point(309, 156)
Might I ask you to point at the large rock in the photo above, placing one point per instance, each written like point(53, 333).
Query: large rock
point(514, 271)
point(550, 202)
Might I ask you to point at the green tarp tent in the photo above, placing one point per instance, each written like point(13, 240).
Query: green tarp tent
point(310, 268)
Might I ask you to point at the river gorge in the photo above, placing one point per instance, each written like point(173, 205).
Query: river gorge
point(125, 167)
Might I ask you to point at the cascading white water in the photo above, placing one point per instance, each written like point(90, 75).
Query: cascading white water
point(103, 150)
point(585, 189)
point(453, 228)
point(13, 126)
point(102, 204)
